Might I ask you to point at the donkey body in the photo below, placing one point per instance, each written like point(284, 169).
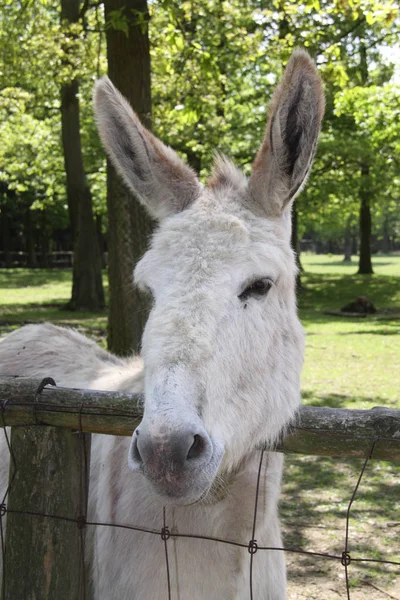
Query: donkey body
point(222, 354)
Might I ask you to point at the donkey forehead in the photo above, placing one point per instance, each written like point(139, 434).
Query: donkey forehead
point(201, 243)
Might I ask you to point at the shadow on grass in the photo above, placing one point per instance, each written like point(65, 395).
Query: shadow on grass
point(58, 304)
point(330, 400)
point(330, 291)
point(310, 398)
point(373, 332)
point(316, 496)
point(53, 313)
point(16, 278)
point(310, 317)
point(347, 263)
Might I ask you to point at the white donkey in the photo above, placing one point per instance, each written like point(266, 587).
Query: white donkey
point(221, 358)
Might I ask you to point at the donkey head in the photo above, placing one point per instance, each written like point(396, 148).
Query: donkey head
point(223, 347)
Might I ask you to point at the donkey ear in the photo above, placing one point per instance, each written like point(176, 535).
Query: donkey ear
point(287, 151)
point(155, 173)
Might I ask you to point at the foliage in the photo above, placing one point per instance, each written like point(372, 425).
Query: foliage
point(214, 65)
point(29, 154)
point(38, 54)
point(215, 60)
point(223, 60)
point(376, 113)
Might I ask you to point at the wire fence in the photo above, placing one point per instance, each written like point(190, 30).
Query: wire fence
point(346, 558)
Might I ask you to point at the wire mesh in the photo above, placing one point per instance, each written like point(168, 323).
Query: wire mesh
point(344, 558)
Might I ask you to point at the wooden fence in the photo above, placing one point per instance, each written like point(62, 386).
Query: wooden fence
point(60, 259)
point(49, 474)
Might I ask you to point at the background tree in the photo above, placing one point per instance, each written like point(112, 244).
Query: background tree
point(214, 65)
point(40, 55)
point(87, 283)
point(358, 35)
point(128, 55)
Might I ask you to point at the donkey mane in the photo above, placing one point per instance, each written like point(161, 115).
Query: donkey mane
point(225, 174)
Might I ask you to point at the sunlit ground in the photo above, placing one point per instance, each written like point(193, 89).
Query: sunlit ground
point(350, 363)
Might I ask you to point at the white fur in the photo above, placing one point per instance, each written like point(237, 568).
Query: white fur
point(208, 357)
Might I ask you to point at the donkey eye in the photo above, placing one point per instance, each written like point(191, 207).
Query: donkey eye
point(257, 289)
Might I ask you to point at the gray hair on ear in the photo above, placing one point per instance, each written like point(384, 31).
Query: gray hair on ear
point(287, 151)
point(152, 170)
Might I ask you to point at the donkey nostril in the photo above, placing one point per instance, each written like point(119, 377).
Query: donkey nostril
point(196, 448)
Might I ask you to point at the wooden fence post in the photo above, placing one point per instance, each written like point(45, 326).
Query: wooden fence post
point(44, 557)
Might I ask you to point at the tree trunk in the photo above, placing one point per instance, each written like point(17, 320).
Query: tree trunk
point(347, 241)
point(386, 236)
point(44, 245)
point(128, 223)
point(99, 232)
point(87, 285)
point(354, 244)
point(365, 262)
point(30, 240)
point(5, 229)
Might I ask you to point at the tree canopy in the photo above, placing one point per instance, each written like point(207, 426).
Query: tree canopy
point(214, 65)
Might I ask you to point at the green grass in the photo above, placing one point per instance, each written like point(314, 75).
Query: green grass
point(38, 295)
point(330, 263)
point(348, 360)
point(342, 354)
point(349, 363)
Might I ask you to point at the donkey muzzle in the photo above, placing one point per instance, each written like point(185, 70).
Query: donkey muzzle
point(179, 462)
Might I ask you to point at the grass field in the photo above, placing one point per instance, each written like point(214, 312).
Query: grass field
point(350, 363)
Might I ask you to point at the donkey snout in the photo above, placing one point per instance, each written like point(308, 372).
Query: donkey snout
point(174, 452)
point(172, 461)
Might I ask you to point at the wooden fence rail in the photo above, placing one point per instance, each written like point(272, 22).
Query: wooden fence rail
point(317, 430)
point(43, 554)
